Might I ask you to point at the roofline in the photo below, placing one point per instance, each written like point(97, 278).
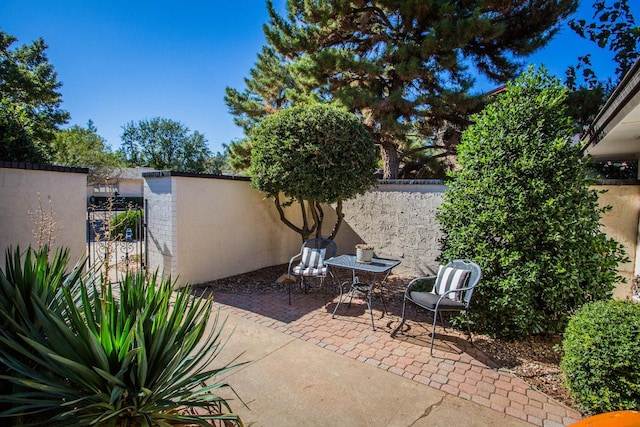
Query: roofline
point(619, 99)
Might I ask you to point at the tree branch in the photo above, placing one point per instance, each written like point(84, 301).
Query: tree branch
point(284, 219)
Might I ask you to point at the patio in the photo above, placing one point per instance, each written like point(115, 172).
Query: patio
point(456, 369)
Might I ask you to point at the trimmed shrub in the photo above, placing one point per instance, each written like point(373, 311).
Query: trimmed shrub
point(601, 360)
point(522, 207)
point(129, 219)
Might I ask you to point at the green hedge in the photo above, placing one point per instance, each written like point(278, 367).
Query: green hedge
point(129, 219)
point(601, 360)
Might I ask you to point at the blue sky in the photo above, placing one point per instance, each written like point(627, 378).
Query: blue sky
point(122, 61)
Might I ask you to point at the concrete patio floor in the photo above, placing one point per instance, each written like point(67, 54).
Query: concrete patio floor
point(307, 369)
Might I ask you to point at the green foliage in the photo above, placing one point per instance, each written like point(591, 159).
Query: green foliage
point(521, 207)
point(130, 219)
point(217, 163)
point(23, 286)
point(17, 141)
point(83, 147)
point(419, 160)
point(614, 28)
point(30, 110)
point(601, 361)
point(397, 62)
point(239, 155)
point(85, 357)
point(267, 90)
point(164, 144)
point(318, 154)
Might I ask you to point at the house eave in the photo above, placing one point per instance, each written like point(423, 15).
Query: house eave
point(615, 132)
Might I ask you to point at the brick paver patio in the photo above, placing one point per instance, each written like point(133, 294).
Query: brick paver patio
point(456, 368)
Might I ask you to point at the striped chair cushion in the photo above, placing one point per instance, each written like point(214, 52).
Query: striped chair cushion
point(300, 270)
point(312, 258)
point(450, 278)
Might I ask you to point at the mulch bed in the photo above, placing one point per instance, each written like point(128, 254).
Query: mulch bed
point(534, 359)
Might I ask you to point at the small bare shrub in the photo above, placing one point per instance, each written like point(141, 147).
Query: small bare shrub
point(44, 225)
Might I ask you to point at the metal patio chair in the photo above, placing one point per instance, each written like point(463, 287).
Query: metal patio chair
point(311, 261)
point(451, 292)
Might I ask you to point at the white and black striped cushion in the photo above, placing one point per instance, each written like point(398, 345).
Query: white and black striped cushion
point(300, 270)
point(451, 278)
point(312, 258)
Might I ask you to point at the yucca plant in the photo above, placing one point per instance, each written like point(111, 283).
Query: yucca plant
point(34, 275)
point(134, 354)
point(29, 276)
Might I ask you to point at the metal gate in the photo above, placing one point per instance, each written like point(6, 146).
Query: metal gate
point(116, 238)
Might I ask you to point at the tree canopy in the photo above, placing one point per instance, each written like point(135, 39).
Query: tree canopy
point(404, 66)
point(265, 92)
point(30, 108)
point(164, 144)
point(79, 146)
point(312, 155)
point(613, 27)
point(522, 207)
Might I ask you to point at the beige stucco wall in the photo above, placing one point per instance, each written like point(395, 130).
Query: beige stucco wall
point(621, 224)
point(202, 229)
point(61, 192)
point(130, 187)
point(226, 228)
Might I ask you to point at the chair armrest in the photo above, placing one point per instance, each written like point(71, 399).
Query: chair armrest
point(444, 295)
point(293, 258)
point(429, 280)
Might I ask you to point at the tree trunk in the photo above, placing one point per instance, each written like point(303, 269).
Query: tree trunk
point(336, 226)
point(390, 161)
point(317, 214)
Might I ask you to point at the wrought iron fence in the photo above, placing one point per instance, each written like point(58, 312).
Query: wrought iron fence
point(116, 237)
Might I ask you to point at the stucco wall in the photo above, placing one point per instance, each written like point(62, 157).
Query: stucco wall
point(621, 223)
point(60, 192)
point(204, 228)
point(399, 220)
point(131, 187)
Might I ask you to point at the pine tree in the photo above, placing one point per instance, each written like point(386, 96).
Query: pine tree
point(270, 88)
point(396, 62)
point(30, 107)
point(265, 93)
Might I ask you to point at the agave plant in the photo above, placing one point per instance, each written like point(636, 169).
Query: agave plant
point(133, 354)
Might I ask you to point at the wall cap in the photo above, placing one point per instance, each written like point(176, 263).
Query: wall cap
point(40, 167)
point(161, 174)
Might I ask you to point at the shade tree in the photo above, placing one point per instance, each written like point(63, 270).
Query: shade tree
point(163, 143)
point(309, 156)
point(84, 147)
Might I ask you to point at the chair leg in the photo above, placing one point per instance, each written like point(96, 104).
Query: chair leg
point(468, 328)
point(433, 332)
point(399, 327)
